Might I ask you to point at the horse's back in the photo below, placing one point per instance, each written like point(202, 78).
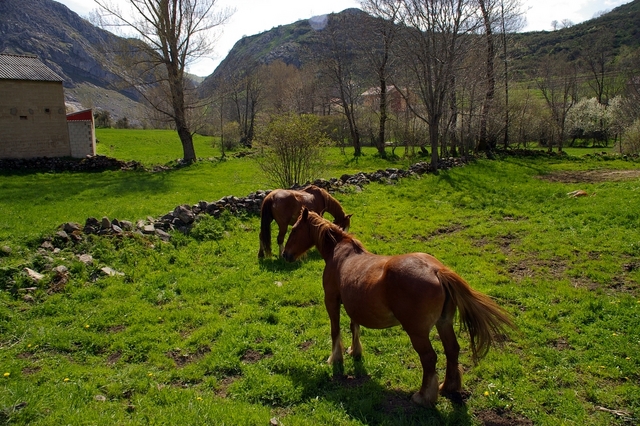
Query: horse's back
point(382, 291)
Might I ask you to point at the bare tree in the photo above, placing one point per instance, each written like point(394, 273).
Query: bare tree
point(432, 49)
point(340, 64)
point(172, 34)
point(378, 52)
point(558, 85)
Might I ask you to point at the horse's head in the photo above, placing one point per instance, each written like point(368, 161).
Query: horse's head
point(343, 223)
point(300, 238)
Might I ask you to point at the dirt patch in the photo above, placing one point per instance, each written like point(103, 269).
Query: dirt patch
point(306, 345)
point(451, 229)
point(31, 370)
point(224, 384)
point(116, 329)
point(114, 357)
point(182, 358)
point(251, 356)
point(530, 267)
point(502, 418)
point(590, 176)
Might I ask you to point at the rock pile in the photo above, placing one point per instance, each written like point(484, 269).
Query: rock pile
point(89, 163)
point(183, 217)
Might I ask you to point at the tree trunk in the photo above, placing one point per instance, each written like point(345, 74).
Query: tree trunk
point(484, 142)
point(434, 127)
point(383, 118)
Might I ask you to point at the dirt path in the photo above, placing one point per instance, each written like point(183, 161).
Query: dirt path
point(591, 176)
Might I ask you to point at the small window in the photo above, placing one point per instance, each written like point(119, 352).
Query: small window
point(47, 110)
point(23, 117)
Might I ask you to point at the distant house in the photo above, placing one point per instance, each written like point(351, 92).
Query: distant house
point(33, 119)
point(395, 101)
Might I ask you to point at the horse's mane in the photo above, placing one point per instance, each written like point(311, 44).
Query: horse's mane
point(329, 233)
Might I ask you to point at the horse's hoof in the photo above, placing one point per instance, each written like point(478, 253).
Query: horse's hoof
point(333, 360)
point(355, 355)
point(420, 400)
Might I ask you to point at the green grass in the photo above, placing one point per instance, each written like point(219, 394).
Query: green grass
point(197, 331)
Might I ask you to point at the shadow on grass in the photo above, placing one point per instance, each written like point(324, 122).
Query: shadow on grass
point(278, 264)
point(374, 403)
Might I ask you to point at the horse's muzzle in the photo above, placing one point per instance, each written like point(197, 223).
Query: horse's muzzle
point(288, 257)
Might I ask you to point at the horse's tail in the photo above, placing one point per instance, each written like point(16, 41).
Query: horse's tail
point(485, 321)
point(266, 217)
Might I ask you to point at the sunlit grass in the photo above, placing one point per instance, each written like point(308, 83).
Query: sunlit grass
point(198, 331)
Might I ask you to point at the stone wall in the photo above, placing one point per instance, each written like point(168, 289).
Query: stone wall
point(33, 120)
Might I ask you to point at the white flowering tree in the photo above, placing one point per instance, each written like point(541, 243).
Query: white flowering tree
point(589, 120)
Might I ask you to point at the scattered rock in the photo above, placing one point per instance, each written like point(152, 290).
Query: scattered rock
point(71, 227)
point(111, 272)
point(35, 276)
point(85, 258)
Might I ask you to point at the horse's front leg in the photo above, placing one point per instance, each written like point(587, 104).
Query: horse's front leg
point(355, 350)
point(282, 230)
point(332, 303)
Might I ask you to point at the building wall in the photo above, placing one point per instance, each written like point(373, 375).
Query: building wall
point(82, 138)
point(33, 120)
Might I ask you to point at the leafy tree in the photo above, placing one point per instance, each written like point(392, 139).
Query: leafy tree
point(171, 34)
point(630, 140)
point(589, 119)
point(102, 119)
point(291, 146)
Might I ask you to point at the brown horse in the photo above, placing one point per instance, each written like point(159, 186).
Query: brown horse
point(413, 290)
point(284, 206)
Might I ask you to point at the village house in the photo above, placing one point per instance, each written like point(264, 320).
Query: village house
point(395, 101)
point(33, 119)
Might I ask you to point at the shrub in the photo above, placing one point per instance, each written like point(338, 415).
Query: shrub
point(630, 141)
point(291, 147)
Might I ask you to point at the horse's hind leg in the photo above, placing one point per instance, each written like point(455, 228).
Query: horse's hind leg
point(355, 350)
point(453, 376)
point(428, 393)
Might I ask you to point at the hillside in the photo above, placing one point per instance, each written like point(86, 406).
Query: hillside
point(609, 34)
point(293, 44)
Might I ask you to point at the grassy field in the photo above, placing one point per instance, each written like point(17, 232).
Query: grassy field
point(198, 331)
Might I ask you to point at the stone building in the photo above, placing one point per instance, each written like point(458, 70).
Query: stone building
point(33, 119)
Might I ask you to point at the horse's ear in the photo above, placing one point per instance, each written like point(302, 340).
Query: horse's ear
point(349, 216)
point(305, 213)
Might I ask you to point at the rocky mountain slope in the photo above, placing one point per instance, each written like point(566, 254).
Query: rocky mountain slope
point(70, 45)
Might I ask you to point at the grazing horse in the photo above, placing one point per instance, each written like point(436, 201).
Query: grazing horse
point(413, 290)
point(284, 206)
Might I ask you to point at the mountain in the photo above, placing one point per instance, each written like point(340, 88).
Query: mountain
point(293, 44)
point(72, 47)
point(297, 42)
point(76, 49)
